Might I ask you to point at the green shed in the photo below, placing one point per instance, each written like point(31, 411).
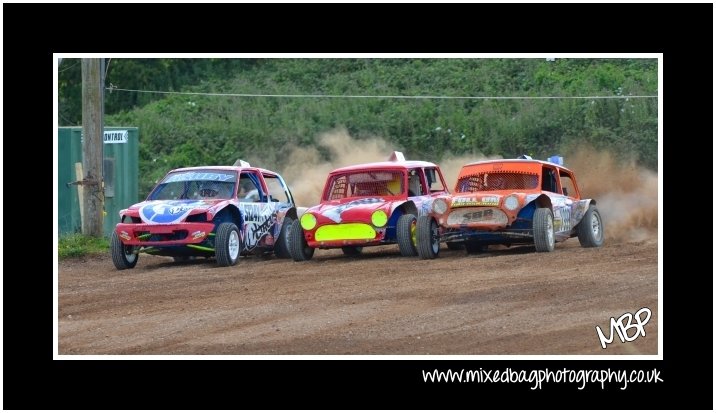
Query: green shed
point(121, 174)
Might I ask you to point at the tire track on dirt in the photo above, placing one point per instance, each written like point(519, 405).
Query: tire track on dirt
point(505, 301)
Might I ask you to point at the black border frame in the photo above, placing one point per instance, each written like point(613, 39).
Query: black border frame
point(33, 32)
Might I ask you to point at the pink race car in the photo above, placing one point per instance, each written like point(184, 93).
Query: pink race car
point(369, 204)
point(219, 211)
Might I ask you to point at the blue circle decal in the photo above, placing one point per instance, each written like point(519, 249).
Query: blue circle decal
point(167, 212)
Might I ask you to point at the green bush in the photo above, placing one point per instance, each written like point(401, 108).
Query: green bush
point(78, 245)
point(191, 130)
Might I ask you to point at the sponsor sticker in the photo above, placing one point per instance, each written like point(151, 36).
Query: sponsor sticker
point(465, 201)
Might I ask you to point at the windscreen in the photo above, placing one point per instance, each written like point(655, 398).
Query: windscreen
point(365, 184)
point(495, 181)
point(195, 185)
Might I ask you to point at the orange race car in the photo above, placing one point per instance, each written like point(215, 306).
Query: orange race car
point(510, 201)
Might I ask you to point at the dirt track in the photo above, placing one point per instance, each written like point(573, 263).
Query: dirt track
point(509, 301)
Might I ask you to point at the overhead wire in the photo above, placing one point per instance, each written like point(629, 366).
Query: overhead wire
point(316, 96)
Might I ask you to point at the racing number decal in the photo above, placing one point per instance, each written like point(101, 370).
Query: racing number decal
point(562, 218)
point(259, 219)
point(567, 218)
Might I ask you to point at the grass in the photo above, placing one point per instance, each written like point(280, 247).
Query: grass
point(78, 245)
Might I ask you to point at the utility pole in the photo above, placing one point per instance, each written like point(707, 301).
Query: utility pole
point(92, 146)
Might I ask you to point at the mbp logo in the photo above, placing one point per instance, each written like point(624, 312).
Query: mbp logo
point(622, 326)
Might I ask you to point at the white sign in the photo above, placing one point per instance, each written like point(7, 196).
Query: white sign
point(116, 136)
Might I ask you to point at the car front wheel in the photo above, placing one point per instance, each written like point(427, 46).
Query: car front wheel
point(406, 234)
point(281, 248)
point(228, 244)
point(298, 247)
point(428, 238)
point(543, 227)
point(123, 256)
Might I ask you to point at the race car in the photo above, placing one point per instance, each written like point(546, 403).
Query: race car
point(510, 202)
point(366, 205)
point(204, 212)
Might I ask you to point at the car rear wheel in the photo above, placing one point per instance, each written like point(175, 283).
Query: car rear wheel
point(228, 244)
point(123, 256)
point(591, 229)
point(428, 238)
point(298, 247)
point(475, 247)
point(281, 248)
point(406, 234)
point(352, 251)
point(543, 227)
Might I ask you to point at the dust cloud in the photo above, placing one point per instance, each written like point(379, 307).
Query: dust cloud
point(451, 165)
point(306, 170)
point(626, 194)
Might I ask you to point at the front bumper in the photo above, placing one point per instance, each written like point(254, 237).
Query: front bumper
point(153, 235)
point(345, 234)
point(484, 224)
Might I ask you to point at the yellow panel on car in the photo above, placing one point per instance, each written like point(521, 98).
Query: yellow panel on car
point(339, 232)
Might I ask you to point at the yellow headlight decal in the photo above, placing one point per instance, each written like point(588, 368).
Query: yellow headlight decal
point(379, 218)
point(308, 221)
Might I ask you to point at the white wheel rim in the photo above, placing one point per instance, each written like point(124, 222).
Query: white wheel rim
point(233, 245)
point(550, 232)
point(596, 227)
point(129, 255)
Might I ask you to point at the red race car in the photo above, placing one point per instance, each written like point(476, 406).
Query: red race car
point(221, 211)
point(369, 204)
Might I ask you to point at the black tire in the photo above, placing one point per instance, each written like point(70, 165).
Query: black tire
point(227, 244)
point(543, 227)
point(590, 229)
point(475, 247)
point(299, 249)
point(455, 246)
point(428, 238)
point(123, 256)
point(281, 248)
point(186, 258)
point(352, 251)
point(406, 234)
